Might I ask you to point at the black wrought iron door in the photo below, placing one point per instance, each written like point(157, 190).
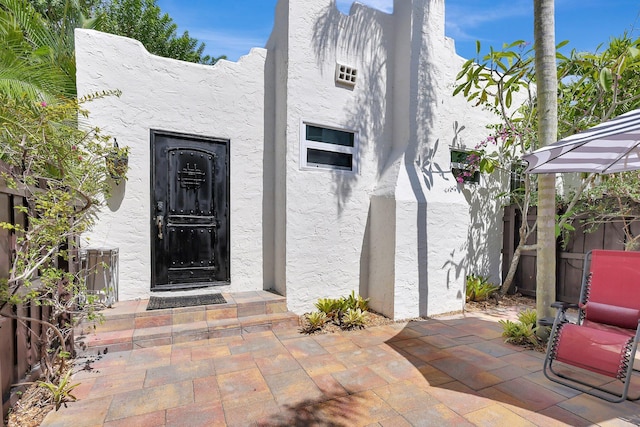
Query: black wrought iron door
point(190, 211)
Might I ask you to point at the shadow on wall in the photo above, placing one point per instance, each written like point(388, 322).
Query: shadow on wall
point(485, 209)
point(479, 255)
point(423, 142)
point(361, 36)
point(117, 194)
point(429, 167)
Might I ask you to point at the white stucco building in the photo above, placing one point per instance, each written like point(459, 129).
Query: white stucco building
point(326, 164)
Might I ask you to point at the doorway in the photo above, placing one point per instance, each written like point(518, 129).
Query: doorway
point(189, 211)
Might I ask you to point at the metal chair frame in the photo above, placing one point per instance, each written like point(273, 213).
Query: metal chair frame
point(575, 383)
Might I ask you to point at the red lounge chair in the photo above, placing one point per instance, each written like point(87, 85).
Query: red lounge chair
point(605, 337)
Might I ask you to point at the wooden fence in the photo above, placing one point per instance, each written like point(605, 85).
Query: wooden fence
point(20, 342)
point(569, 260)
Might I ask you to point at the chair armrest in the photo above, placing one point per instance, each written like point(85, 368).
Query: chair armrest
point(561, 313)
point(564, 305)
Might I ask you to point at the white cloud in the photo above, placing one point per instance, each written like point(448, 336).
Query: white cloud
point(463, 17)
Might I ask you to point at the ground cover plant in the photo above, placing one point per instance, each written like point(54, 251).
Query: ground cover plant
point(344, 313)
point(523, 331)
point(479, 289)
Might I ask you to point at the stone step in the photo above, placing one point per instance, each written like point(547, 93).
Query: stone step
point(126, 315)
point(128, 325)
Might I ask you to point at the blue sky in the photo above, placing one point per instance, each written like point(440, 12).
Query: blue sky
point(232, 27)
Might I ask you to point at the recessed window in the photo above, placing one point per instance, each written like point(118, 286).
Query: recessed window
point(464, 166)
point(328, 148)
point(516, 178)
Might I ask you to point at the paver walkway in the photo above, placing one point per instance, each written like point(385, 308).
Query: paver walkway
point(449, 371)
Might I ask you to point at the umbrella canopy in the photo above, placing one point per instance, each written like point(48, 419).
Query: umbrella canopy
point(609, 147)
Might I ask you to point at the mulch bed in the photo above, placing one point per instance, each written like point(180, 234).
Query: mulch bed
point(505, 301)
point(31, 409)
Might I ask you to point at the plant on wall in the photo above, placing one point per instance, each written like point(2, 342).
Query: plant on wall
point(117, 162)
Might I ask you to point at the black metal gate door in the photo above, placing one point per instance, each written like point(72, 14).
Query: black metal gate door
point(189, 212)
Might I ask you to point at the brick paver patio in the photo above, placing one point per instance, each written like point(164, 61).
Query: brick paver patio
point(437, 372)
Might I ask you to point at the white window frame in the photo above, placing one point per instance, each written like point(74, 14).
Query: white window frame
point(326, 146)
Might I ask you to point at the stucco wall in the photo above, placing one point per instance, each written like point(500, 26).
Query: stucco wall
point(276, 84)
point(223, 101)
point(433, 214)
point(326, 211)
point(400, 231)
point(403, 208)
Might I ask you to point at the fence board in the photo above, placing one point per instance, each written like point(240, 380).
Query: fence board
point(5, 241)
point(6, 361)
point(21, 365)
point(19, 343)
point(569, 260)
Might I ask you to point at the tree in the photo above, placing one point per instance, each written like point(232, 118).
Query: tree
point(61, 173)
point(144, 21)
point(57, 10)
point(592, 87)
point(547, 90)
point(57, 168)
point(37, 56)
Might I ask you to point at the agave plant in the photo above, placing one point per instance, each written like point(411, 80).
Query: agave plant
point(353, 302)
point(479, 288)
point(528, 317)
point(331, 307)
point(354, 318)
point(519, 333)
point(315, 322)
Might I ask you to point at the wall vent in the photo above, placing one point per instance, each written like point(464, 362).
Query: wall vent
point(345, 75)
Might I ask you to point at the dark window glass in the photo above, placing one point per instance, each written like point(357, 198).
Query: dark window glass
point(329, 158)
point(517, 178)
point(459, 156)
point(330, 136)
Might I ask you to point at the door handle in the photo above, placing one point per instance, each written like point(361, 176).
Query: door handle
point(159, 223)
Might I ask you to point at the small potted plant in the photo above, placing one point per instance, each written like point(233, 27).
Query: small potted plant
point(117, 161)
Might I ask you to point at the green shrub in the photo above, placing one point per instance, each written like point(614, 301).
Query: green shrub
point(346, 312)
point(315, 322)
point(60, 392)
point(523, 331)
point(356, 302)
point(479, 288)
point(353, 318)
point(330, 306)
point(528, 317)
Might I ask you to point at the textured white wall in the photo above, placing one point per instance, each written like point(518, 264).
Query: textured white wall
point(401, 231)
point(224, 101)
point(433, 213)
point(277, 109)
point(326, 211)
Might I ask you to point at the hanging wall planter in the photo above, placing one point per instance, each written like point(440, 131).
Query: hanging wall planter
point(117, 161)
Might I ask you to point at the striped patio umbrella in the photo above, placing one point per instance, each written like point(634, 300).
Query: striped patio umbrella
point(612, 146)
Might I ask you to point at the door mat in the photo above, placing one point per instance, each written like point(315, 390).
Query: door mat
point(158, 303)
